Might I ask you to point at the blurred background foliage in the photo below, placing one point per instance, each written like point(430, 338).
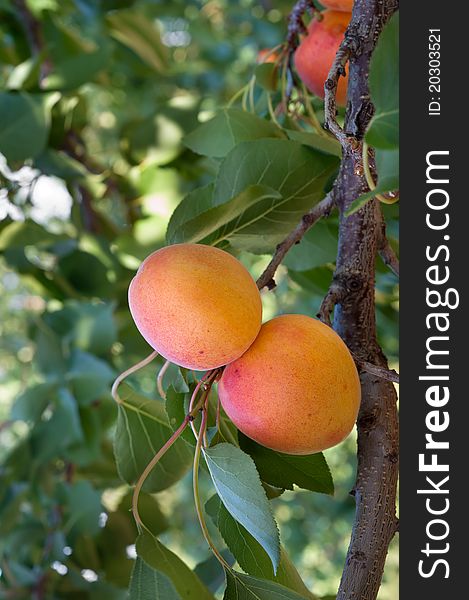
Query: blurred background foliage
point(96, 98)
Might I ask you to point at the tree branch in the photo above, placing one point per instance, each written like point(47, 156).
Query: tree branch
point(322, 209)
point(352, 294)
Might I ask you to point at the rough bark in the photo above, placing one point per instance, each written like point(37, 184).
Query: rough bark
point(352, 291)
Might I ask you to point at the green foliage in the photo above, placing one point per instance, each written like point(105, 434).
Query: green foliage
point(245, 587)
point(162, 560)
point(383, 130)
point(283, 470)
point(114, 133)
point(230, 127)
point(249, 554)
point(237, 482)
point(148, 584)
point(142, 428)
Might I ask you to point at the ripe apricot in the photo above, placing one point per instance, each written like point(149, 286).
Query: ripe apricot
point(296, 390)
point(198, 306)
point(343, 5)
point(316, 53)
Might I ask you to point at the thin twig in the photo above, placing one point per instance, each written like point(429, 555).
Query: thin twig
point(381, 372)
point(389, 256)
point(120, 378)
point(159, 379)
point(321, 209)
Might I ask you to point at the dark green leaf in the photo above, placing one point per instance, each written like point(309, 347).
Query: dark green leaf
point(89, 376)
point(285, 470)
point(30, 405)
point(318, 247)
point(298, 173)
point(158, 557)
point(249, 553)
point(237, 482)
point(218, 136)
point(383, 131)
point(194, 204)
point(224, 221)
point(267, 76)
point(142, 429)
point(210, 571)
point(148, 584)
point(245, 587)
point(24, 123)
point(324, 143)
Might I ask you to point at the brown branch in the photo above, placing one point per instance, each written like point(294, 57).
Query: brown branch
point(321, 209)
point(360, 240)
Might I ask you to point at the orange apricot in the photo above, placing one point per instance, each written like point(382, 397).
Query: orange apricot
point(296, 390)
point(316, 53)
point(343, 5)
point(198, 306)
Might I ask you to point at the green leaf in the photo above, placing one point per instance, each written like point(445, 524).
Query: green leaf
point(210, 571)
point(237, 483)
point(83, 505)
point(223, 221)
point(383, 131)
point(317, 248)
point(75, 59)
point(24, 123)
point(267, 76)
point(47, 438)
point(249, 553)
point(142, 429)
point(158, 557)
point(194, 204)
point(245, 587)
point(285, 470)
point(148, 584)
point(299, 174)
point(30, 405)
point(89, 376)
point(217, 137)
point(323, 143)
point(138, 32)
point(54, 162)
point(25, 75)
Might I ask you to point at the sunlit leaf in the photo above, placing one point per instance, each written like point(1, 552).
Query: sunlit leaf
point(237, 482)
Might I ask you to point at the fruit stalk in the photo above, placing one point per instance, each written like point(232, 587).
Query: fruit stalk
point(352, 292)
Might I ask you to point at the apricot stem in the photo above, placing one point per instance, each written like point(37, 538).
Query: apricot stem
point(197, 502)
point(120, 378)
point(369, 177)
point(159, 379)
point(271, 110)
point(310, 110)
point(154, 461)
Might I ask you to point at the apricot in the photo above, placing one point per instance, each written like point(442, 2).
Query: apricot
point(316, 53)
point(343, 5)
point(198, 306)
point(296, 390)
